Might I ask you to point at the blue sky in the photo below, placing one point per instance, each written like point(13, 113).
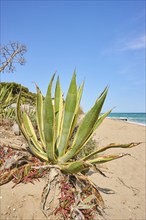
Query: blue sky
point(103, 40)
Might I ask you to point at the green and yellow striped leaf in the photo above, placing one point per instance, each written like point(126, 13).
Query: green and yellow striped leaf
point(75, 167)
point(31, 132)
point(130, 145)
point(19, 117)
point(49, 124)
point(58, 103)
point(69, 111)
point(105, 159)
point(39, 115)
point(79, 95)
point(22, 126)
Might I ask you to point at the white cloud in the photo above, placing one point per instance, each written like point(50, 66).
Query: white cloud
point(125, 44)
point(135, 44)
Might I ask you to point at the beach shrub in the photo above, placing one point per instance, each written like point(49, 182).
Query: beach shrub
point(6, 97)
point(60, 140)
point(26, 95)
point(7, 113)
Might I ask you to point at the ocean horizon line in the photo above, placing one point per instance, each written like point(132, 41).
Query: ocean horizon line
point(130, 112)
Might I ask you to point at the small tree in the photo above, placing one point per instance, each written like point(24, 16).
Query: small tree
point(10, 54)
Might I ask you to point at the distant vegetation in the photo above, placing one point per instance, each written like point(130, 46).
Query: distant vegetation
point(27, 96)
point(8, 98)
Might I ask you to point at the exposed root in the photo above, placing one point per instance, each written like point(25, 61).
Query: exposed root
point(75, 197)
point(50, 189)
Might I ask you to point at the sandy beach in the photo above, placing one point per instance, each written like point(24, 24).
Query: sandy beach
point(123, 188)
point(125, 176)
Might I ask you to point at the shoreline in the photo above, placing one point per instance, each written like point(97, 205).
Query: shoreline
point(136, 123)
point(130, 122)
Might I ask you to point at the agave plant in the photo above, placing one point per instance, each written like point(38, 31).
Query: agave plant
point(6, 97)
point(7, 113)
point(57, 144)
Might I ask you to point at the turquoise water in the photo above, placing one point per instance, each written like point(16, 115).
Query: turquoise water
point(139, 118)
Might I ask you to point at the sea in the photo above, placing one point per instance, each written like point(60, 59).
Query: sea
point(137, 118)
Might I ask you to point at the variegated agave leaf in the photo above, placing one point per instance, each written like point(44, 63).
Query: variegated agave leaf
point(49, 124)
point(68, 117)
